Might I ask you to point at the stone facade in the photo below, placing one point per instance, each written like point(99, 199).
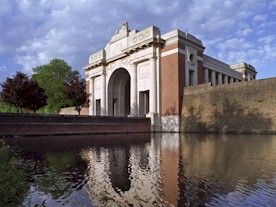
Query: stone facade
point(142, 73)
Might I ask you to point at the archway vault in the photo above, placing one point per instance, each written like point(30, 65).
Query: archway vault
point(119, 93)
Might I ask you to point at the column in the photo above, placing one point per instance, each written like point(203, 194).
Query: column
point(187, 76)
point(231, 80)
point(133, 90)
point(225, 79)
point(158, 79)
point(220, 79)
point(248, 77)
point(152, 99)
point(103, 95)
point(213, 78)
point(243, 76)
point(91, 93)
point(206, 75)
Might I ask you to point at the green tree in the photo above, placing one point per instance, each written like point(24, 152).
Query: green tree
point(75, 91)
point(7, 108)
point(23, 93)
point(51, 78)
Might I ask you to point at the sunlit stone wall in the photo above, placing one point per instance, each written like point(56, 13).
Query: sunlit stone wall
point(244, 107)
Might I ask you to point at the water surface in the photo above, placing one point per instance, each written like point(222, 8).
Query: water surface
point(148, 170)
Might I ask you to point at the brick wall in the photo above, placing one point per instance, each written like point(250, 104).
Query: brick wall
point(36, 125)
point(172, 80)
point(244, 107)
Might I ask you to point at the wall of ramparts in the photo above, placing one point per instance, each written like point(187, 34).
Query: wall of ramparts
point(244, 107)
point(12, 124)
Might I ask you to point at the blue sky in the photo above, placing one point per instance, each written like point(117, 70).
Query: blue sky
point(32, 32)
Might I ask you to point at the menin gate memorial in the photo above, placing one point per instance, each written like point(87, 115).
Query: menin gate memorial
point(142, 73)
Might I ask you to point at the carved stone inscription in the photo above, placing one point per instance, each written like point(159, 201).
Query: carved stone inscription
point(97, 85)
point(143, 72)
point(141, 36)
point(97, 56)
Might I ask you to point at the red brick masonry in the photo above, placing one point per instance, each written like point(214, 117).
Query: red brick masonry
point(12, 124)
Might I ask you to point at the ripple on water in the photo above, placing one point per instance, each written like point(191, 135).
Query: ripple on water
point(262, 194)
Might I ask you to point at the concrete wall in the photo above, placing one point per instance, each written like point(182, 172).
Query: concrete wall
point(36, 125)
point(244, 107)
point(72, 111)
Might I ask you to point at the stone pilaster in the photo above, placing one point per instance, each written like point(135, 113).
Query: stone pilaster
point(213, 78)
point(152, 107)
point(206, 75)
point(91, 91)
point(103, 94)
point(133, 90)
point(225, 79)
point(219, 79)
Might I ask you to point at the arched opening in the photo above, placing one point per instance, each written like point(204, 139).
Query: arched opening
point(119, 93)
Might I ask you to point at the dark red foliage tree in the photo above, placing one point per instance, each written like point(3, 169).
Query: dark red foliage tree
point(36, 97)
point(23, 93)
point(75, 91)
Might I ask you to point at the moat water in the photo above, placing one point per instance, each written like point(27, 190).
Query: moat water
point(147, 170)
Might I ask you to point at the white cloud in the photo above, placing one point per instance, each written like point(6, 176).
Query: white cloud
point(37, 31)
point(235, 43)
point(244, 32)
point(267, 39)
point(3, 68)
point(256, 53)
point(260, 18)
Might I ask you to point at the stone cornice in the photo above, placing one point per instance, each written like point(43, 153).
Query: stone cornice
point(94, 65)
point(126, 52)
point(182, 37)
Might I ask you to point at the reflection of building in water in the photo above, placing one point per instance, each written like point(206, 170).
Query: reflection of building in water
point(141, 175)
point(219, 164)
point(171, 171)
point(123, 176)
point(170, 167)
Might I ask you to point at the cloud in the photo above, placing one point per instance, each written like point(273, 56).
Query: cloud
point(272, 4)
point(239, 50)
point(267, 39)
point(68, 28)
point(37, 31)
point(3, 68)
point(235, 43)
point(244, 32)
point(260, 18)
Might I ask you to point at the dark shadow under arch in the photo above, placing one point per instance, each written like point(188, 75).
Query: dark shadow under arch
point(119, 93)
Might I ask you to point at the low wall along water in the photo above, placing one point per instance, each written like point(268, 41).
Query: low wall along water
point(12, 124)
point(244, 107)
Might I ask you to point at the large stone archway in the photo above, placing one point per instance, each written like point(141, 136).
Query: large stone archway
point(124, 77)
point(119, 93)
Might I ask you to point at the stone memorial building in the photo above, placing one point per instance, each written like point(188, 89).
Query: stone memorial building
point(143, 73)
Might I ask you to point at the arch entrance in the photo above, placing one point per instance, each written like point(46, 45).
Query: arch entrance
point(119, 93)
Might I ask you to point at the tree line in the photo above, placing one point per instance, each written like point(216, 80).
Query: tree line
point(50, 88)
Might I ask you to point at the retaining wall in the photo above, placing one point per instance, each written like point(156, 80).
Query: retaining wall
point(37, 125)
point(244, 107)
